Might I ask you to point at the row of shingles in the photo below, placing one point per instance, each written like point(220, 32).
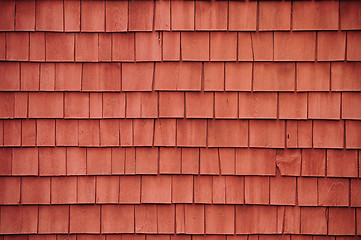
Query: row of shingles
point(186, 46)
point(173, 237)
point(181, 76)
point(180, 219)
point(182, 133)
point(73, 161)
point(167, 189)
point(218, 105)
point(178, 16)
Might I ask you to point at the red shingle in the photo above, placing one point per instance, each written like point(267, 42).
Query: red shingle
point(84, 219)
point(182, 76)
point(288, 162)
point(171, 104)
point(341, 221)
point(117, 219)
point(59, 47)
point(226, 105)
point(137, 76)
point(199, 104)
point(143, 132)
point(355, 192)
point(116, 16)
point(333, 192)
point(101, 77)
point(47, 76)
point(313, 220)
point(223, 46)
point(10, 189)
point(190, 160)
point(269, 134)
point(274, 77)
point(107, 189)
point(195, 46)
point(328, 134)
point(52, 161)
point(146, 218)
point(182, 189)
point(156, 189)
point(142, 105)
point(331, 46)
point(28, 132)
point(213, 76)
point(324, 105)
point(123, 47)
point(341, 163)
point(286, 46)
point(21, 104)
point(141, 16)
point(37, 46)
point(98, 161)
point(165, 220)
point(12, 133)
point(307, 191)
point(76, 105)
point(86, 190)
point(105, 47)
point(76, 161)
point(45, 132)
point(92, 16)
point(209, 161)
point(86, 48)
point(63, 190)
point(219, 219)
point(255, 162)
point(353, 138)
point(25, 161)
point(113, 105)
point(148, 46)
point(146, 160)
point(182, 15)
point(346, 76)
point(313, 76)
point(118, 160)
point(129, 189)
point(30, 76)
point(5, 160)
point(162, 15)
point(313, 162)
point(19, 219)
point(350, 15)
point(126, 132)
point(171, 45)
point(17, 46)
point(72, 16)
point(282, 190)
point(35, 190)
point(242, 16)
point(165, 132)
point(109, 132)
point(89, 133)
point(194, 219)
point(10, 80)
point(7, 15)
point(256, 219)
point(2, 46)
point(211, 15)
point(257, 105)
point(227, 158)
point(245, 43)
point(227, 133)
point(353, 48)
point(202, 189)
point(293, 106)
point(315, 15)
point(191, 133)
point(49, 16)
point(7, 110)
point(274, 15)
point(53, 219)
point(96, 105)
point(349, 101)
point(257, 190)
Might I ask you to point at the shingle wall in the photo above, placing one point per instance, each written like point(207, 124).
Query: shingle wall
point(180, 120)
